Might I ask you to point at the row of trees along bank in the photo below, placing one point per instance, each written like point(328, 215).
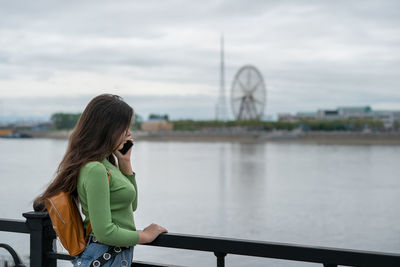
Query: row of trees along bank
point(305, 125)
point(69, 120)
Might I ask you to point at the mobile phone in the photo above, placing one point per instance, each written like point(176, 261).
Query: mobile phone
point(126, 147)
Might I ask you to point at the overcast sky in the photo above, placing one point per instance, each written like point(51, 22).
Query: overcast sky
point(163, 56)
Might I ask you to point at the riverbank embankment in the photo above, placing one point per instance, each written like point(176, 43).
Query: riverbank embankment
point(323, 137)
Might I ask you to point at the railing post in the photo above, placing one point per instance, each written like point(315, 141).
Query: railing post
point(220, 258)
point(41, 239)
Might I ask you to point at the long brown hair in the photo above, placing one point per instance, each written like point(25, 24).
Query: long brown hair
point(94, 138)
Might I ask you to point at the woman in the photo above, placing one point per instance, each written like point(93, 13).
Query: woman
point(93, 150)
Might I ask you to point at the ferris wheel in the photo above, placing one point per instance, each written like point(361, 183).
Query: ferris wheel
point(248, 94)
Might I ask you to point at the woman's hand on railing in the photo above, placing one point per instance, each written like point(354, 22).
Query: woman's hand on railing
point(150, 233)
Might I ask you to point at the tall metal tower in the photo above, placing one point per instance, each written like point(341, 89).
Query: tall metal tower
point(220, 109)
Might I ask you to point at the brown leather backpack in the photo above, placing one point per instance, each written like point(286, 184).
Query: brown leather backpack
point(67, 222)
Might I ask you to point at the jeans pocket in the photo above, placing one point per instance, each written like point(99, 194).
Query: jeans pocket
point(123, 259)
point(93, 251)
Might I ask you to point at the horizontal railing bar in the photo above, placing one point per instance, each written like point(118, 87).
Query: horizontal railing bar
point(59, 256)
point(16, 226)
point(151, 264)
point(282, 251)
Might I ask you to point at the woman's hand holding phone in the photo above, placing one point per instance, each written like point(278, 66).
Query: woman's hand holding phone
point(128, 144)
point(124, 159)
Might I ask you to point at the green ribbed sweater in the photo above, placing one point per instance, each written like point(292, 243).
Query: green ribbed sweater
point(108, 207)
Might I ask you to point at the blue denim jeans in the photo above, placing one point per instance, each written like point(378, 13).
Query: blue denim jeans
point(94, 250)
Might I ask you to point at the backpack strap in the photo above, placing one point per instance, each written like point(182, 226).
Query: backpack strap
point(89, 228)
point(109, 175)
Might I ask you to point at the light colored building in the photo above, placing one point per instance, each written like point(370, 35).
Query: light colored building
point(328, 114)
point(354, 112)
point(306, 115)
point(388, 117)
point(286, 117)
point(157, 125)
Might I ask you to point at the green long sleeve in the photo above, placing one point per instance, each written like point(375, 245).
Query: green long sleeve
point(132, 179)
point(108, 206)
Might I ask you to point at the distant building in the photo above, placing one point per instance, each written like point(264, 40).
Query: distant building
point(4, 132)
point(306, 115)
point(157, 125)
point(388, 117)
point(328, 114)
point(355, 112)
point(44, 126)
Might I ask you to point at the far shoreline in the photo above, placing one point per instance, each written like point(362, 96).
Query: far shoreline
point(223, 135)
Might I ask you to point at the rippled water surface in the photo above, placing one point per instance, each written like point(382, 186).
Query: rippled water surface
point(322, 195)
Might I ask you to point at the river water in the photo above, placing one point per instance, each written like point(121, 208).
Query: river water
point(309, 194)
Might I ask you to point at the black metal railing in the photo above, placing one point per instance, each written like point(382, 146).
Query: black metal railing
point(14, 255)
point(38, 225)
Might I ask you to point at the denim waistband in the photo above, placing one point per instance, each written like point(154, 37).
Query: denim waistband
point(99, 254)
point(93, 239)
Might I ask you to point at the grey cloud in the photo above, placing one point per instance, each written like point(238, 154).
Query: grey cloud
point(312, 53)
point(177, 106)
